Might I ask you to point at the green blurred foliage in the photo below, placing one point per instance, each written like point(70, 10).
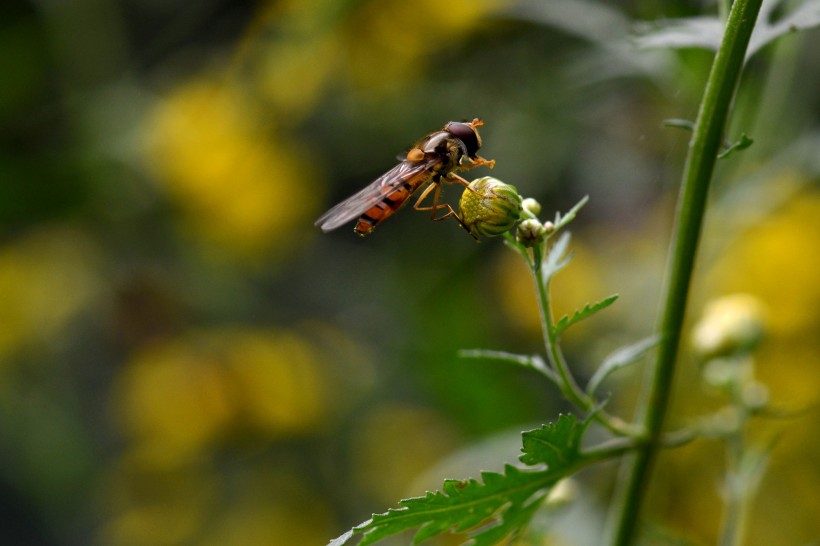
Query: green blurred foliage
point(184, 359)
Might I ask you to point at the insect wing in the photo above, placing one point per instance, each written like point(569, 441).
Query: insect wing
point(371, 195)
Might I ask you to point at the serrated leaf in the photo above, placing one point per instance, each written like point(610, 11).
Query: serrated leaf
point(588, 310)
point(341, 540)
point(493, 508)
point(620, 358)
point(556, 445)
point(515, 520)
point(467, 505)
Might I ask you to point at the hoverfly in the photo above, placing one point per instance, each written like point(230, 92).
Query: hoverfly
point(434, 159)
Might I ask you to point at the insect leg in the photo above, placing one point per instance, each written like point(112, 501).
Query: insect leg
point(436, 206)
point(453, 178)
point(424, 195)
point(478, 162)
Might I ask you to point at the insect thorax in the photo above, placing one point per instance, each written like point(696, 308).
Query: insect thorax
point(448, 148)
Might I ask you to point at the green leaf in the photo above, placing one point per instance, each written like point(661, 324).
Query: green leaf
point(556, 445)
point(685, 32)
point(506, 500)
point(534, 362)
point(341, 540)
point(707, 32)
point(561, 221)
point(514, 522)
point(555, 260)
point(588, 310)
point(620, 358)
point(805, 16)
point(489, 510)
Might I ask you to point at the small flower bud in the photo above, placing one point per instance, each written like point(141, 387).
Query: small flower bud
point(720, 373)
point(726, 420)
point(530, 231)
point(532, 206)
point(489, 207)
point(731, 325)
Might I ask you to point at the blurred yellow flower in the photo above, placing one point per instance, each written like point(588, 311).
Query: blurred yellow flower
point(388, 42)
point(180, 396)
point(293, 50)
point(271, 508)
point(255, 503)
point(730, 325)
point(157, 506)
point(299, 49)
point(174, 399)
point(573, 287)
point(776, 261)
point(183, 404)
point(46, 278)
point(293, 75)
point(394, 444)
point(277, 381)
point(237, 186)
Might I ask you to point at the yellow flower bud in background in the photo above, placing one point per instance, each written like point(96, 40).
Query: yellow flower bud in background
point(489, 207)
point(564, 492)
point(731, 325)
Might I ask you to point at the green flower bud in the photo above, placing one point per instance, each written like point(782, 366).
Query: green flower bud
point(532, 206)
point(489, 207)
point(530, 231)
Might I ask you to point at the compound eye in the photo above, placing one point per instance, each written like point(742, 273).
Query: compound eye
point(466, 134)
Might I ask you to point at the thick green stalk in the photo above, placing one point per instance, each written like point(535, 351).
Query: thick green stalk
point(700, 162)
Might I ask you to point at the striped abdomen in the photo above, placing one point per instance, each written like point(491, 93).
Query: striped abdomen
point(395, 193)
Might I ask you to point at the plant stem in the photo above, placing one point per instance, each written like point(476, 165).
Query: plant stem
point(559, 367)
point(700, 162)
point(731, 528)
point(569, 387)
